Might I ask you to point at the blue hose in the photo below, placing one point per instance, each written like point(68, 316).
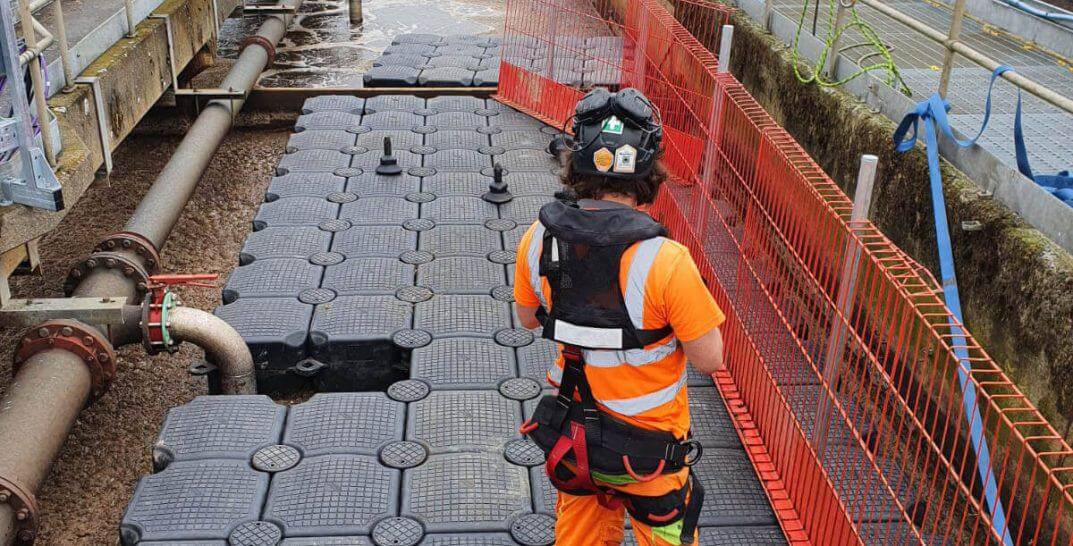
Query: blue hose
point(1048, 15)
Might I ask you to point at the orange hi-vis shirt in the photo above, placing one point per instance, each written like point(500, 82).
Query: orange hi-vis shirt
point(644, 387)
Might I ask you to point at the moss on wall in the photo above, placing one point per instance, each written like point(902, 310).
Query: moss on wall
point(1016, 285)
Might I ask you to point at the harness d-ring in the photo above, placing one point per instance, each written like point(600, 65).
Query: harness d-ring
point(696, 450)
point(642, 479)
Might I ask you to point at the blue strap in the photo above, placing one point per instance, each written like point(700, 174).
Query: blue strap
point(932, 113)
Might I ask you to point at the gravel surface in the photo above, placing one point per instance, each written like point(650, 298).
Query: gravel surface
point(91, 482)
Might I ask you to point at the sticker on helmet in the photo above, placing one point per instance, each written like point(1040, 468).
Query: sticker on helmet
point(612, 125)
point(626, 159)
point(603, 159)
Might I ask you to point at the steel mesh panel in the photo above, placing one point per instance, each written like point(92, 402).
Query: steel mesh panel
point(272, 278)
point(354, 319)
point(460, 103)
point(859, 486)
point(466, 492)
point(455, 240)
point(385, 241)
point(711, 422)
point(312, 161)
point(194, 500)
point(456, 183)
point(356, 423)
point(458, 209)
point(332, 139)
point(461, 315)
point(457, 159)
point(401, 139)
point(450, 421)
point(285, 242)
point(379, 210)
point(295, 211)
point(461, 275)
point(461, 363)
point(733, 495)
point(524, 209)
point(368, 275)
point(382, 103)
point(535, 359)
point(332, 495)
point(231, 427)
point(343, 103)
point(327, 120)
point(310, 184)
point(371, 184)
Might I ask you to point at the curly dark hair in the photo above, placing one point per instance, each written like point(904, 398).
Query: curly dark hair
point(590, 186)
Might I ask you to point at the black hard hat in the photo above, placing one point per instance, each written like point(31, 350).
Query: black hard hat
point(616, 135)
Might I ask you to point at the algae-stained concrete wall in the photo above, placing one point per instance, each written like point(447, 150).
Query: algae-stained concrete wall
point(1016, 285)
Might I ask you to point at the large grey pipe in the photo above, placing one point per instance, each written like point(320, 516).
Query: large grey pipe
point(223, 347)
point(51, 388)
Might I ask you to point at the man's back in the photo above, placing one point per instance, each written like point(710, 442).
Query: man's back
point(661, 287)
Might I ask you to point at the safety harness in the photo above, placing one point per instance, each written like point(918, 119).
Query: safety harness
point(581, 256)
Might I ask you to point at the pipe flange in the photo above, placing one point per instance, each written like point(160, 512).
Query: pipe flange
point(155, 310)
point(265, 44)
point(107, 260)
point(74, 337)
point(23, 504)
point(128, 240)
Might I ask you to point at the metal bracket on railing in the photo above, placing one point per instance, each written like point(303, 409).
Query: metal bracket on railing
point(25, 177)
point(201, 96)
point(159, 302)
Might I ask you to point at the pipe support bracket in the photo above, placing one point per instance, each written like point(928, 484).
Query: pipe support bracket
point(74, 337)
point(23, 505)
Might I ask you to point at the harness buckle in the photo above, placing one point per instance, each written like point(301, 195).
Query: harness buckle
point(694, 451)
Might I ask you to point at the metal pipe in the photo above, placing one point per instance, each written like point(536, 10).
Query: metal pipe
point(160, 208)
point(38, 84)
point(836, 44)
point(7, 524)
point(36, 414)
point(223, 346)
point(128, 9)
point(951, 37)
point(1013, 77)
point(356, 16)
point(65, 49)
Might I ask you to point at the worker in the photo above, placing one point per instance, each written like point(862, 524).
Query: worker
point(628, 309)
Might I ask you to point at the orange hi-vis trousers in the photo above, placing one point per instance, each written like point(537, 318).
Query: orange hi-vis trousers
point(583, 521)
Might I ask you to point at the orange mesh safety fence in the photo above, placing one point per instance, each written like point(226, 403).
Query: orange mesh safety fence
point(838, 344)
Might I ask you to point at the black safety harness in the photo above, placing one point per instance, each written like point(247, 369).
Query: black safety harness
point(581, 256)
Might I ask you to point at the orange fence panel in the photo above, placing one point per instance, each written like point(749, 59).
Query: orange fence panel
point(840, 361)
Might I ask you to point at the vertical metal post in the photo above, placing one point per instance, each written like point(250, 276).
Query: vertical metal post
point(356, 16)
point(847, 287)
point(38, 80)
point(836, 43)
point(65, 50)
point(715, 120)
point(952, 36)
point(128, 8)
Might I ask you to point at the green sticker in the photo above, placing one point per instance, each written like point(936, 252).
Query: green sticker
point(612, 125)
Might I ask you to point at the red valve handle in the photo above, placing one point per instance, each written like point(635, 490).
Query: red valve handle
point(180, 279)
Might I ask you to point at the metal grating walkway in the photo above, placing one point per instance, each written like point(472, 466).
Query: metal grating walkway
point(414, 288)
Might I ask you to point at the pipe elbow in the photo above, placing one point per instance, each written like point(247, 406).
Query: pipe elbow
point(222, 344)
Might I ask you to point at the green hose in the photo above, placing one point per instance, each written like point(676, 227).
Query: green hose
point(834, 33)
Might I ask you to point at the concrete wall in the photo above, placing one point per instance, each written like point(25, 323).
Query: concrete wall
point(1016, 285)
point(132, 75)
